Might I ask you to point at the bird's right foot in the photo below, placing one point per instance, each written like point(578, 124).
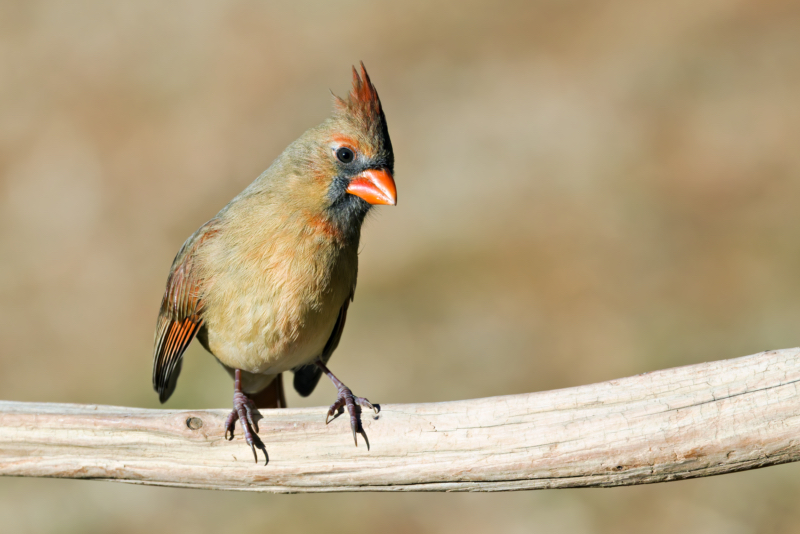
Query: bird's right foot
point(245, 411)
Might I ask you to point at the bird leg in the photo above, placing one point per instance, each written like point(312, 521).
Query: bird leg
point(244, 410)
point(347, 399)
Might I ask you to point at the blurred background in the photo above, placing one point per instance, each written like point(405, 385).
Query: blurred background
point(587, 190)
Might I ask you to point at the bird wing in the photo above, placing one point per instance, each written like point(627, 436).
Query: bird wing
point(181, 313)
point(306, 377)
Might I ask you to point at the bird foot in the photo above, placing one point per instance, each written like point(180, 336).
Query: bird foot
point(245, 411)
point(353, 404)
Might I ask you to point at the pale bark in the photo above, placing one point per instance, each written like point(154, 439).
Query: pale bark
point(693, 421)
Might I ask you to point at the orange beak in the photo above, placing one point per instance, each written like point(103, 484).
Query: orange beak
point(374, 186)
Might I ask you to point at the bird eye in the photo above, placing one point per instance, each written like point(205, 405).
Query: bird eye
point(345, 155)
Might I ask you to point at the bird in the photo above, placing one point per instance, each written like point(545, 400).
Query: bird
point(265, 285)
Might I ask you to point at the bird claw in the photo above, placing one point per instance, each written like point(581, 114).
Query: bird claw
point(346, 399)
point(361, 401)
point(336, 408)
point(244, 410)
point(359, 430)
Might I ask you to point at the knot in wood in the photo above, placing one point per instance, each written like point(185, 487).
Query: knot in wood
point(194, 423)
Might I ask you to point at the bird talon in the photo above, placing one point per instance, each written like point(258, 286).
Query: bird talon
point(346, 399)
point(361, 401)
point(249, 410)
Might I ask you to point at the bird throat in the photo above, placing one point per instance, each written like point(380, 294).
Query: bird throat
point(346, 215)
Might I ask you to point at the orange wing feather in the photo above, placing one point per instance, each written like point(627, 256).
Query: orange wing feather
point(181, 315)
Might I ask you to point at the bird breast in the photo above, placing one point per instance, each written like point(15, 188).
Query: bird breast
point(270, 304)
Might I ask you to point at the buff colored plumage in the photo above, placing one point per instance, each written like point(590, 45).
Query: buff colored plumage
point(266, 283)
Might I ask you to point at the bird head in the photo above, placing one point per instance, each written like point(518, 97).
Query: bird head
point(335, 172)
point(355, 154)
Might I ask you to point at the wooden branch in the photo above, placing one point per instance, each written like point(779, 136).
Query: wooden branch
point(687, 422)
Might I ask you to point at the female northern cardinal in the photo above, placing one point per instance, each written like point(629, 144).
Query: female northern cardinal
point(266, 283)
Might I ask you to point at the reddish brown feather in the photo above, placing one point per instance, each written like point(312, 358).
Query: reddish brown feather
point(180, 317)
point(168, 349)
point(363, 91)
point(363, 100)
point(346, 140)
point(177, 337)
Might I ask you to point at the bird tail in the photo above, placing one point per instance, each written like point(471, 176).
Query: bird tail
point(306, 379)
point(271, 396)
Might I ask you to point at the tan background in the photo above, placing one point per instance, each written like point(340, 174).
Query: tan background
point(588, 190)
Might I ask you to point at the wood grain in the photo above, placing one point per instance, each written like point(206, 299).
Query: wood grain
point(694, 421)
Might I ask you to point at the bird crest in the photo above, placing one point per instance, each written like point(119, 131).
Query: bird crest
point(363, 101)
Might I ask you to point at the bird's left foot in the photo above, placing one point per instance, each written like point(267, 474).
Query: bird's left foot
point(346, 399)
